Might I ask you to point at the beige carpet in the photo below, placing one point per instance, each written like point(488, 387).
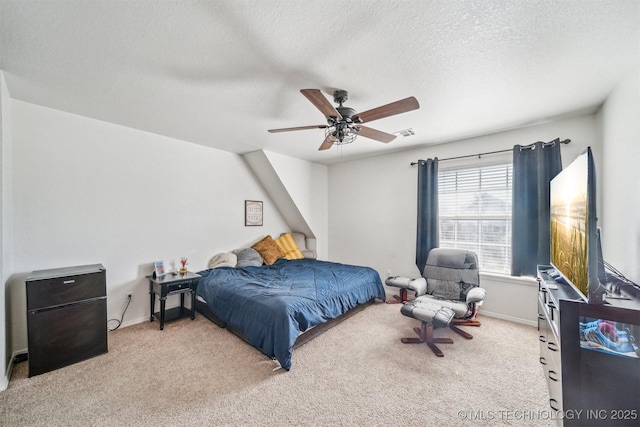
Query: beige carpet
point(357, 373)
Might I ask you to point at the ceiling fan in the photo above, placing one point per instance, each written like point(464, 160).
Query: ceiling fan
point(344, 124)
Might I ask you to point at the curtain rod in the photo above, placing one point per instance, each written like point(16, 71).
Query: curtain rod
point(524, 147)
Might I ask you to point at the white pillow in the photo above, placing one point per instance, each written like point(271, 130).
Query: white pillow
point(225, 259)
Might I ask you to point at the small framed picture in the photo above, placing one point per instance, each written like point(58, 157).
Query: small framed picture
point(252, 213)
point(158, 269)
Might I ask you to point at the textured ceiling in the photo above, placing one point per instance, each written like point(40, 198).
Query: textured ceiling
point(220, 73)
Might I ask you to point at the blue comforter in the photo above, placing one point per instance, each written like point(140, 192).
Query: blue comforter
point(272, 305)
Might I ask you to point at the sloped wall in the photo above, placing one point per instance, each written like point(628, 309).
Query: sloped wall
point(299, 190)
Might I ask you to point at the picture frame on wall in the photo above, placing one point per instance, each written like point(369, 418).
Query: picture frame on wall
point(252, 213)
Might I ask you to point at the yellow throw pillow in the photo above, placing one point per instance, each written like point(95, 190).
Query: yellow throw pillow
point(268, 250)
point(289, 247)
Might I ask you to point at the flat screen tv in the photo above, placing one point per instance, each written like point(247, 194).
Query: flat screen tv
point(574, 235)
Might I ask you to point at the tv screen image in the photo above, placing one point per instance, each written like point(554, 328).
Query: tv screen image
point(608, 336)
point(570, 224)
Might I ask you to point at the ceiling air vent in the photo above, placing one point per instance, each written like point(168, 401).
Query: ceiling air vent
point(405, 133)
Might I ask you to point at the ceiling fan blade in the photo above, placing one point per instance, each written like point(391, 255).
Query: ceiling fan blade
point(321, 102)
point(375, 134)
point(327, 143)
point(402, 106)
point(297, 128)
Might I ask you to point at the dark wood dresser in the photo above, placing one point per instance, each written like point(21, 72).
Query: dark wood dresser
point(66, 316)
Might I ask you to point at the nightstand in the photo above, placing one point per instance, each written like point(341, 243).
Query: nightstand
point(170, 284)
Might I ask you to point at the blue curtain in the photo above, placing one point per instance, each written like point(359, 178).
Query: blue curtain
point(534, 166)
point(428, 236)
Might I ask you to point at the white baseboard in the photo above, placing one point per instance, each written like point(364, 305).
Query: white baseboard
point(4, 382)
point(509, 318)
point(132, 322)
point(490, 314)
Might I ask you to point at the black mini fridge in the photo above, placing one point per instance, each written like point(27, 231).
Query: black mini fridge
point(66, 316)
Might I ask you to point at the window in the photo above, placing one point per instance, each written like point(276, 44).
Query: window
point(475, 213)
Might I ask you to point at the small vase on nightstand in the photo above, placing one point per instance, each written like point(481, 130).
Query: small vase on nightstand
point(183, 263)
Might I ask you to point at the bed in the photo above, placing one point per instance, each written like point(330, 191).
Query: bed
point(271, 305)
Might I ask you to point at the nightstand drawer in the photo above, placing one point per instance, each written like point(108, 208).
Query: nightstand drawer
point(174, 287)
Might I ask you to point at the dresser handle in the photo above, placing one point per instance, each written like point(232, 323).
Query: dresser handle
point(553, 376)
point(543, 360)
point(552, 346)
point(552, 402)
point(543, 338)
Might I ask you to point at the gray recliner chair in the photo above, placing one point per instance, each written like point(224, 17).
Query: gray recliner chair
point(451, 298)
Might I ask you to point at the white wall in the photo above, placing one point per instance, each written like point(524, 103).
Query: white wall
point(620, 191)
point(5, 224)
point(372, 205)
point(87, 191)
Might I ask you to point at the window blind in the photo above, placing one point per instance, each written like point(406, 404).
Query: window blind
point(475, 213)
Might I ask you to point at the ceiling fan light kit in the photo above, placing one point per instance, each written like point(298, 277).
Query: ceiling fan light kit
point(344, 123)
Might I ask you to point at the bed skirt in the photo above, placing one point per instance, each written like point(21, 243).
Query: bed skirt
point(303, 338)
